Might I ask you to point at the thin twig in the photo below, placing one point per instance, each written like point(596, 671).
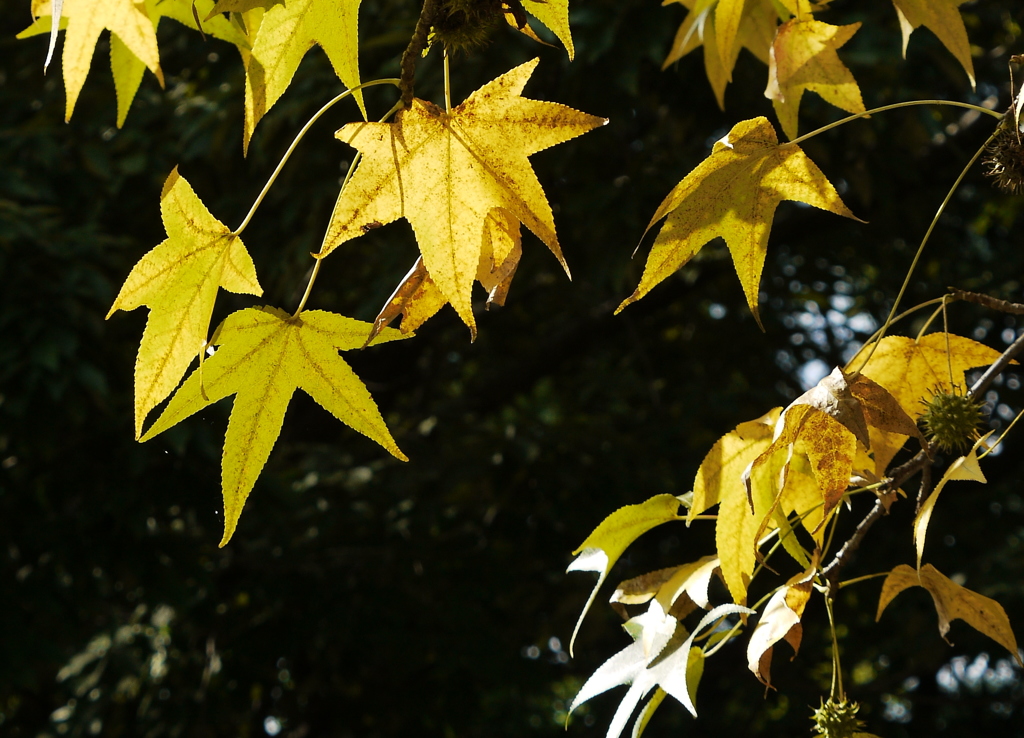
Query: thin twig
point(417, 44)
point(925, 488)
point(1003, 306)
point(998, 366)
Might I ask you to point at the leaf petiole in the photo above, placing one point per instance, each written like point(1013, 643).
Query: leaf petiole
point(895, 106)
point(924, 241)
point(298, 137)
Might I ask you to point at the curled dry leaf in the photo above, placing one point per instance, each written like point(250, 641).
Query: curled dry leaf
point(418, 298)
point(952, 602)
point(780, 620)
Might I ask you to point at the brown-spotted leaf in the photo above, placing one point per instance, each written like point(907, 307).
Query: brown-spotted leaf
point(943, 18)
point(952, 602)
point(803, 57)
point(446, 172)
point(733, 194)
point(780, 620)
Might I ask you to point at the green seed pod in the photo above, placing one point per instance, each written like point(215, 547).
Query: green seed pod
point(837, 719)
point(951, 419)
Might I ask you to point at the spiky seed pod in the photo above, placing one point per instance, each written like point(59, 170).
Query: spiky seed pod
point(464, 25)
point(951, 419)
point(837, 719)
point(1004, 157)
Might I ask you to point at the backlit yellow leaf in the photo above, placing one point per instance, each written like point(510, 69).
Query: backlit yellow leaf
point(86, 20)
point(733, 194)
point(721, 471)
point(178, 281)
point(911, 370)
point(446, 172)
point(286, 33)
point(952, 602)
point(723, 28)
point(605, 545)
point(264, 356)
point(128, 68)
point(555, 15)
point(965, 468)
point(803, 57)
point(943, 18)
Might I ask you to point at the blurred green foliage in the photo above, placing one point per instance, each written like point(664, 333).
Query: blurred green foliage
point(366, 597)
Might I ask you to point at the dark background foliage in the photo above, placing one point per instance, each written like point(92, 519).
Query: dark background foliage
point(362, 596)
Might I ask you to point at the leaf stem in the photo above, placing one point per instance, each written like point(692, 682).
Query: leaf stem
point(447, 85)
point(895, 106)
point(924, 241)
point(866, 577)
point(287, 154)
point(348, 176)
point(838, 695)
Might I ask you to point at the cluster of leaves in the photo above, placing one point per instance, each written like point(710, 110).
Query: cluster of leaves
point(462, 178)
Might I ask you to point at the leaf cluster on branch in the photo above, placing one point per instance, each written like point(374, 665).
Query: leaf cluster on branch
point(462, 178)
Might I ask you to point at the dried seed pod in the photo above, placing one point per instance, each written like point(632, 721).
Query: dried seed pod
point(951, 419)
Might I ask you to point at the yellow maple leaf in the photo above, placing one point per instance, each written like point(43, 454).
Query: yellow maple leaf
point(86, 20)
point(264, 356)
point(803, 57)
point(732, 26)
point(445, 172)
point(417, 298)
point(944, 20)
point(128, 68)
point(733, 194)
point(965, 468)
point(952, 602)
point(178, 281)
point(555, 15)
point(285, 34)
point(603, 547)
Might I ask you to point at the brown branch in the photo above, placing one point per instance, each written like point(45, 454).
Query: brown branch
point(998, 366)
point(417, 44)
point(1013, 308)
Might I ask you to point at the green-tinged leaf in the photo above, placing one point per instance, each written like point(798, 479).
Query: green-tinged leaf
point(965, 468)
point(286, 33)
point(264, 356)
point(733, 194)
point(647, 712)
point(178, 282)
point(555, 15)
point(952, 602)
point(605, 545)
